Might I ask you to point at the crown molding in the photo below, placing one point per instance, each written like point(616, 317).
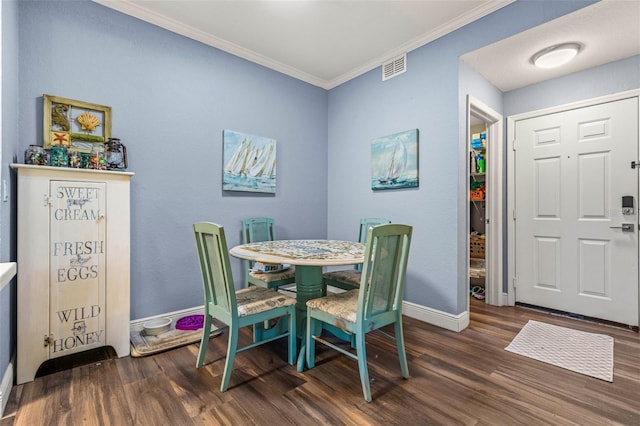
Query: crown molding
point(177, 27)
point(469, 17)
point(144, 14)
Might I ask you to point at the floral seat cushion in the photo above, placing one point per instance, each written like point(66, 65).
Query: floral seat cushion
point(274, 276)
point(342, 305)
point(252, 300)
point(349, 276)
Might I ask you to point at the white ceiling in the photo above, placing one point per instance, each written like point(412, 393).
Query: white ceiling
point(609, 31)
point(328, 42)
point(322, 42)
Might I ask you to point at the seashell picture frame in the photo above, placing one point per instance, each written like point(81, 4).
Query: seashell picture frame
point(74, 124)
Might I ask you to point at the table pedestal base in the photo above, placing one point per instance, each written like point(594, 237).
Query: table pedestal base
point(312, 288)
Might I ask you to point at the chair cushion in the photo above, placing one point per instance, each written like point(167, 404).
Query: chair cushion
point(274, 276)
point(252, 300)
point(342, 305)
point(349, 276)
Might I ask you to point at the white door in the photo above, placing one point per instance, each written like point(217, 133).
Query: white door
point(572, 169)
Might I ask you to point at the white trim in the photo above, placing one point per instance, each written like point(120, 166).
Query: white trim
point(422, 313)
point(504, 297)
point(494, 252)
point(471, 16)
point(6, 386)
point(511, 226)
point(511, 126)
point(141, 12)
point(7, 272)
point(574, 105)
point(435, 317)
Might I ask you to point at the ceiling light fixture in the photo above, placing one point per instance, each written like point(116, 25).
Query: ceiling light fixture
point(555, 56)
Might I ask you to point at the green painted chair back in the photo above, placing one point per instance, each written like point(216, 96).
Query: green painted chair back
point(367, 223)
point(348, 279)
point(383, 276)
point(257, 305)
point(257, 229)
point(375, 304)
point(219, 291)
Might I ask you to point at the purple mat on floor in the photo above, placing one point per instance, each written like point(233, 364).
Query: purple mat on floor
point(190, 322)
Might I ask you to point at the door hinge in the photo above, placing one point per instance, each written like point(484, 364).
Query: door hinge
point(514, 282)
point(513, 145)
point(47, 201)
point(48, 340)
point(513, 214)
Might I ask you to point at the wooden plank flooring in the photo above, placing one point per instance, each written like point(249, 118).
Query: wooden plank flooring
point(456, 378)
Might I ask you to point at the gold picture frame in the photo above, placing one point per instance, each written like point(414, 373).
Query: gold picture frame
point(74, 124)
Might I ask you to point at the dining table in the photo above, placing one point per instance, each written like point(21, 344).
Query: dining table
point(309, 258)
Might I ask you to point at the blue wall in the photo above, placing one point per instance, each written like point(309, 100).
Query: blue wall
point(171, 98)
point(9, 28)
point(603, 80)
point(474, 84)
point(425, 97)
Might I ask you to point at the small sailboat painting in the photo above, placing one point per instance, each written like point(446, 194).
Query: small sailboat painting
point(394, 161)
point(249, 163)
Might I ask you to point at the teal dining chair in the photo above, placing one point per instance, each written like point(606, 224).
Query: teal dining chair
point(377, 303)
point(258, 229)
point(348, 279)
point(236, 309)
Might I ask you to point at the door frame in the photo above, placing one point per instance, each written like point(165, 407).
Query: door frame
point(511, 125)
point(494, 255)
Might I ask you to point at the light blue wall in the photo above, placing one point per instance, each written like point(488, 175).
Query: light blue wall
point(603, 80)
point(9, 28)
point(425, 97)
point(472, 83)
point(172, 97)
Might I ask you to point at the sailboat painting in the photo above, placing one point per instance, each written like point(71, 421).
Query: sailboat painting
point(249, 163)
point(394, 161)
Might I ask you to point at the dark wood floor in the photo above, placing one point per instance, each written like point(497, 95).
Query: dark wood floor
point(456, 378)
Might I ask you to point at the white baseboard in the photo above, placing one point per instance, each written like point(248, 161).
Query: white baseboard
point(438, 318)
point(6, 386)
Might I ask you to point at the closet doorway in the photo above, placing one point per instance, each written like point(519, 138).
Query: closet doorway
point(485, 196)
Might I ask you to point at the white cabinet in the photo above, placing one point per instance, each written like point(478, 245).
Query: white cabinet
point(73, 263)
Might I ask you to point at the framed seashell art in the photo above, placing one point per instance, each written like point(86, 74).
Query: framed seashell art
point(74, 124)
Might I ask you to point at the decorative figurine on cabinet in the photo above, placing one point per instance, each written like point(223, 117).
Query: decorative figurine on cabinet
point(116, 154)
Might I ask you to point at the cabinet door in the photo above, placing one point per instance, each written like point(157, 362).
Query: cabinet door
point(76, 267)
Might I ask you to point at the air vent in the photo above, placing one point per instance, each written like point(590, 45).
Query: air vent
point(394, 67)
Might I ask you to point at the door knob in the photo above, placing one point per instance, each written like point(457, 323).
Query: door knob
point(626, 227)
